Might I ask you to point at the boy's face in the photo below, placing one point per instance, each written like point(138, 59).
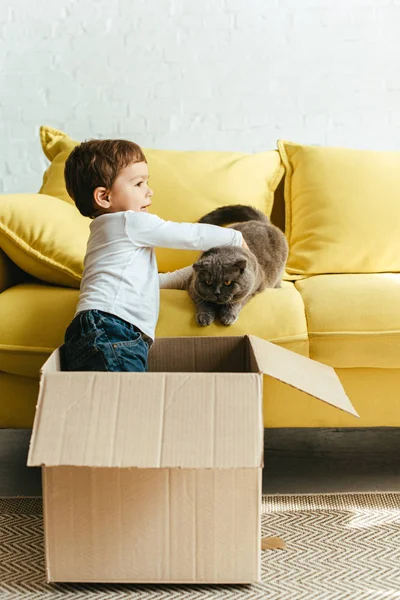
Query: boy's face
point(130, 191)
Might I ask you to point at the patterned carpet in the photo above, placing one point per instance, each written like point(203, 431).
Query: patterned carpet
point(339, 547)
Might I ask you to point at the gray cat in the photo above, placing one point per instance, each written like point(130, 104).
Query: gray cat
point(225, 278)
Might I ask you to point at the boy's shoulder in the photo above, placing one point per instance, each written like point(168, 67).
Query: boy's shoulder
point(109, 217)
point(131, 216)
point(141, 216)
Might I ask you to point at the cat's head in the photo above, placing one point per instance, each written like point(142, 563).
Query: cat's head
point(223, 275)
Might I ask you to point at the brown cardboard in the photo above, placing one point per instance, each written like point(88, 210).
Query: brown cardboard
point(156, 477)
point(310, 376)
point(152, 525)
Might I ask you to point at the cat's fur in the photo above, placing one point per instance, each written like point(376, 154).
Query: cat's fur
point(249, 271)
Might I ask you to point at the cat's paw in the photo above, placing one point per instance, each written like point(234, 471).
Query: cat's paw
point(228, 318)
point(205, 318)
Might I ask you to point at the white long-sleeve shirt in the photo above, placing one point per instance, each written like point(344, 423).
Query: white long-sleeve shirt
point(120, 273)
point(175, 280)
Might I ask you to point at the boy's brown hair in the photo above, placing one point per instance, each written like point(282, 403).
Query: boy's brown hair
point(97, 163)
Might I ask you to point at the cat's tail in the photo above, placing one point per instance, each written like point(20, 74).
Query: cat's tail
point(236, 213)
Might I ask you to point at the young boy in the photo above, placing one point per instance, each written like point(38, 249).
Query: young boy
point(118, 305)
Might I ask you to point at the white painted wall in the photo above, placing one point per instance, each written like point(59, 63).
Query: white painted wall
point(196, 74)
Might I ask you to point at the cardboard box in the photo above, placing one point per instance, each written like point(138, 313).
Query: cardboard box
point(156, 477)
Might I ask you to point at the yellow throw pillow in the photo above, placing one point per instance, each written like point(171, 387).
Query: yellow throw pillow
point(186, 184)
point(56, 146)
point(342, 210)
point(44, 237)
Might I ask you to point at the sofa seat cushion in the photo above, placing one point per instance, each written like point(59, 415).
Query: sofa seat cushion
point(36, 315)
point(353, 320)
point(18, 400)
point(276, 315)
point(284, 406)
point(34, 319)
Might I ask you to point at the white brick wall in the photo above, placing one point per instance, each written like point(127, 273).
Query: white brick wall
point(196, 74)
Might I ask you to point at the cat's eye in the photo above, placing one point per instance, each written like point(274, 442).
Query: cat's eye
point(227, 282)
point(208, 282)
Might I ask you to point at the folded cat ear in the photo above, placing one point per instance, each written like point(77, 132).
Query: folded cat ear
point(197, 266)
point(241, 264)
point(203, 263)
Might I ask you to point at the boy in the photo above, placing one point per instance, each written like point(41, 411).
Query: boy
point(118, 305)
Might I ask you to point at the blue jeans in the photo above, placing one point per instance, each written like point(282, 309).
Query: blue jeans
point(99, 341)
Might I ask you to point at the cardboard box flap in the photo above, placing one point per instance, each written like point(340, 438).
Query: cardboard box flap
point(187, 420)
point(310, 376)
point(52, 364)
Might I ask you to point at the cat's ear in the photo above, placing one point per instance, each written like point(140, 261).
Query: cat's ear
point(197, 266)
point(201, 264)
point(241, 264)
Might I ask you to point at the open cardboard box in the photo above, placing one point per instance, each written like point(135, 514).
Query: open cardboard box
point(156, 477)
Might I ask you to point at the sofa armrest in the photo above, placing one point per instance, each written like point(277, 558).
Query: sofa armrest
point(10, 274)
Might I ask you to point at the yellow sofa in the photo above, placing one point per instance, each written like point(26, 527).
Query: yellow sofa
point(346, 316)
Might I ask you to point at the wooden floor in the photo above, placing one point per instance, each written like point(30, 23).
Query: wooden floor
point(296, 461)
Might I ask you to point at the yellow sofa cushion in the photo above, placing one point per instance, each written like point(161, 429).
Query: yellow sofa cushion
point(38, 315)
point(276, 315)
point(284, 406)
point(18, 401)
point(374, 393)
point(186, 185)
point(353, 320)
point(44, 237)
point(342, 210)
point(57, 146)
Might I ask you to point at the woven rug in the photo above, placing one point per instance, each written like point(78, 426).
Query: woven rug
point(338, 547)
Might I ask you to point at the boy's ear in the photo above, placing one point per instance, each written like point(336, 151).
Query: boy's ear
point(101, 198)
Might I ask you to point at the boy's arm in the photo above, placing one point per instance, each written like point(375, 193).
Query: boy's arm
point(176, 280)
point(145, 229)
